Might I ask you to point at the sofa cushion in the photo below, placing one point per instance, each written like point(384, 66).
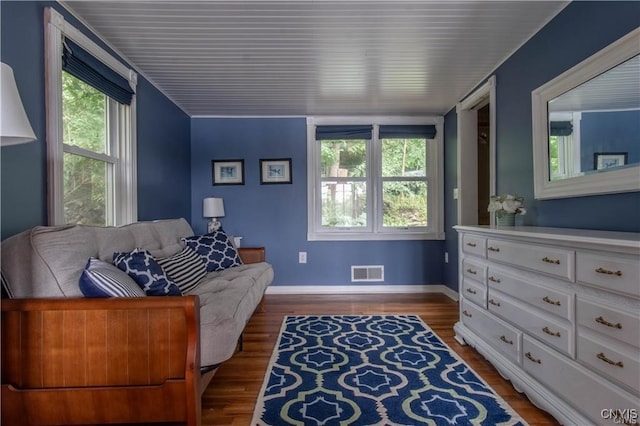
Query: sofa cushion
point(145, 270)
point(101, 279)
point(216, 250)
point(227, 301)
point(185, 268)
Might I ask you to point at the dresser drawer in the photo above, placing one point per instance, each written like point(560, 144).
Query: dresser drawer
point(474, 270)
point(610, 321)
point(475, 245)
point(615, 361)
point(556, 333)
point(552, 261)
point(574, 383)
point(612, 272)
point(500, 335)
point(474, 292)
point(554, 301)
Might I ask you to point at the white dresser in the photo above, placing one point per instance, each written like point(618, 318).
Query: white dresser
point(557, 312)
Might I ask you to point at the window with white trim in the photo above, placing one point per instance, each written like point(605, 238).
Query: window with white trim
point(375, 178)
point(90, 130)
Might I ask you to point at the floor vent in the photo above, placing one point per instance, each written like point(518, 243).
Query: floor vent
point(367, 273)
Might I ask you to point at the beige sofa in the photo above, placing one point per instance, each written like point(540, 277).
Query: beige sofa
point(57, 344)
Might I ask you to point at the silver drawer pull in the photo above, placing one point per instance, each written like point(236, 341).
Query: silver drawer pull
point(549, 260)
point(504, 339)
point(494, 303)
point(466, 314)
point(471, 291)
point(602, 357)
point(603, 321)
point(472, 271)
point(551, 333)
point(496, 249)
point(532, 359)
point(494, 279)
point(471, 244)
point(551, 301)
point(609, 272)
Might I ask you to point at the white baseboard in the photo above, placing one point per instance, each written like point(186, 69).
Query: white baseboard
point(361, 289)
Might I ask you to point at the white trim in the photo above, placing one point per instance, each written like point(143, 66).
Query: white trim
point(122, 137)
point(375, 230)
point(623, 180)
point(467, 160)
point(362, 289)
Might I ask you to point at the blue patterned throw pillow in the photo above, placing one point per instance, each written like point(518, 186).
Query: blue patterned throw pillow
point(216, 250)
point(185, 268)
point(145, 270)
point(101, 279)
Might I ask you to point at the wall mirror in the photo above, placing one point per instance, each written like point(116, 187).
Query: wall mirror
point(586, 125)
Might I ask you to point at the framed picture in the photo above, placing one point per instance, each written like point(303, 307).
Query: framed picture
point(228, 172)
point(275, 170)
point(606, 160)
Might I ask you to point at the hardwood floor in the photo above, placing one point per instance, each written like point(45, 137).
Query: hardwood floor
point(231, 395)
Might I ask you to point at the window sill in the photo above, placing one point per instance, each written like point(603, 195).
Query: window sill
point(370, 236)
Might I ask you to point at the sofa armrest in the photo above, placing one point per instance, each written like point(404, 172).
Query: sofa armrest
point(252, 254)
point(74, 361)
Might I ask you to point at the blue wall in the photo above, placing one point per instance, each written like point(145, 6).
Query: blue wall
point(614, 131)
point(580, 30)
point(577, 32)
point(163, 132)
point(175, 153)
point(275, 216)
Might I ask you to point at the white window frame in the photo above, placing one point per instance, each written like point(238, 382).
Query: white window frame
point(374, 229)
point(122, 152)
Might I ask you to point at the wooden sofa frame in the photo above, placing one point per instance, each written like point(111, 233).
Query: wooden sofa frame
point(96, 361)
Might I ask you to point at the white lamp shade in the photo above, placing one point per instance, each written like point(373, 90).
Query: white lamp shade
point(213, 207)
point(14, 124)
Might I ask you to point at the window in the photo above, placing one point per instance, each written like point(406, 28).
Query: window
point(564, 138)
point(374, 179)
point(90, 130)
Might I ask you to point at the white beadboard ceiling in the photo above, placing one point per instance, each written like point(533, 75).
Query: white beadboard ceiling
point(297, 58)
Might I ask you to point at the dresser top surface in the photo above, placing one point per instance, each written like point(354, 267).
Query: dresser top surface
point(589, 236)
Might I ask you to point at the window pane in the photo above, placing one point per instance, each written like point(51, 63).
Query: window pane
point(404, 157)
point(343, 158)
point(84, 118)
point(86, 190)
point(344, 204)
point(404, 204)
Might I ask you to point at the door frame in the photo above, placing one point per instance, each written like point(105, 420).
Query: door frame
point(467, 111)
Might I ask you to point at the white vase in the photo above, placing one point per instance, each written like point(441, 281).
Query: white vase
point(508, 219)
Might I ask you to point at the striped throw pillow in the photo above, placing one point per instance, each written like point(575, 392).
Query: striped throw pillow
point(101, 279)
point(185, 268)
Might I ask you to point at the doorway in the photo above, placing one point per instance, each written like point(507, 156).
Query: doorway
point(476, 154)
point(484, 172)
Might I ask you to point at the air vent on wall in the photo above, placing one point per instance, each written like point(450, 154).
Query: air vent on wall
point(367, 273)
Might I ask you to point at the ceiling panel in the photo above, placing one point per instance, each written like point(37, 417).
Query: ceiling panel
point(272, 58)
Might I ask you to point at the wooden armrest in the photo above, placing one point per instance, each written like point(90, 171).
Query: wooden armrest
point(252, 254)
point(57, 352)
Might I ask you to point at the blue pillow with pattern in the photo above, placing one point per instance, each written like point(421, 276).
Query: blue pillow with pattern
point(215, 249)
point(145, 270)
point(101, 279)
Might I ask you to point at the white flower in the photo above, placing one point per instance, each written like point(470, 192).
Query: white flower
point(506, 203)
point(511, 205)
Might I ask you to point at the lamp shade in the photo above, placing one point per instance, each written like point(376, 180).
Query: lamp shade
point(213, 207)
point(14, 124)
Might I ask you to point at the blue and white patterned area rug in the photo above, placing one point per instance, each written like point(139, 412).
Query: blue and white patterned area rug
point(372, 370)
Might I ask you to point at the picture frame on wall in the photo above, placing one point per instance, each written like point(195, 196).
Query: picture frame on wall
point(607, 160)
point(275, 171)
point(228, 172)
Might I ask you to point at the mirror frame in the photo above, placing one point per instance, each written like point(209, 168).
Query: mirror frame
point(623, 180)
